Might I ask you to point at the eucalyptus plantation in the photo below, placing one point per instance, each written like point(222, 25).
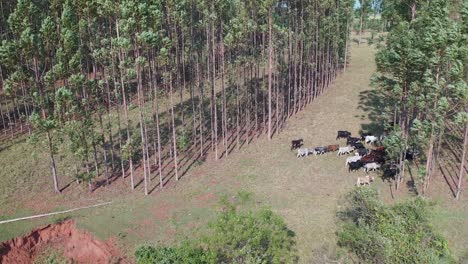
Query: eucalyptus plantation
point(134, 87)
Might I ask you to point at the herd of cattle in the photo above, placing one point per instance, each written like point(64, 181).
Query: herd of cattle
point(366, 158)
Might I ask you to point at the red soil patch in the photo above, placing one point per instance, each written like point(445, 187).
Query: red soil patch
point(78, 246)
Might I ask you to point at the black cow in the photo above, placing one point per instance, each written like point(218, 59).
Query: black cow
point(357, 145)
point(389, 173)
point(354, 166)
point(362, 151)
point(343, 134)
point(295, 144)
point(320, 150)
point(411, 154)
point(350, 140)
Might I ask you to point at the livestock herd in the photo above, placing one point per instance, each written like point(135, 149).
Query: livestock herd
point(370, 158)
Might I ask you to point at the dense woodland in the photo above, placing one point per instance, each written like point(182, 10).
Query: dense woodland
point(422, 74)
point(160, 84)
point(201, 75)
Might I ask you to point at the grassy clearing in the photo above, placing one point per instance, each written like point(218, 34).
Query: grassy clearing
point(306, 192)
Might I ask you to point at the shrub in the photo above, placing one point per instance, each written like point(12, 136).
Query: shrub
point(401, 233)
point(186, 253)
point(260, 237)
point(235, 237)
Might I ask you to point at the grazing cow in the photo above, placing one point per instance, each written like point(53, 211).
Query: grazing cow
point(411, 154)
point(364, 180)
point(374, 157)
point(352, 140)
point(364, 135)
point(295, 144)
point(389, 174)
point(362, 151)
point(343, 134)
point(378, 154)
point(354, 166)
point(345, 150)
point(352, 159)
point(320, 150)
point(357, 145)
point(371, 139)
point(368, 159)
point(380, 149)
point(372, 166)
point(332, 148)
point(303, 152)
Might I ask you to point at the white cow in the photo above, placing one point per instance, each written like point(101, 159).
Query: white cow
point(372, 166)
point(345, 150)
point(303, 152)
point(371, 139)
point(364, 180)
point(352, 159)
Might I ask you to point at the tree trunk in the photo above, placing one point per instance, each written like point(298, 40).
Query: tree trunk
point(156, 122)
point(361, 20)
point(124, 100)
point(116, 91)
point(301, 58)
point(111, 137)
point(294, 53)
point(429, 161)
point(413, 11)
point(95, 157)
point(277, 96)
point(142, 119)
point(200, 106)
point(289, 72)
point(106, 166)
point(237, 111)
point(5, 125)
point(213, 91)
point(52, 163)
point(462, 164)
point(174, 138)
point(270, 68)
point(223, 88)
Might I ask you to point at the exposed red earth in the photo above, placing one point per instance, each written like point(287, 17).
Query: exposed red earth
point(77, 245)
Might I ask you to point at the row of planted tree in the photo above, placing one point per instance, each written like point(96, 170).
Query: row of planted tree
point(422, 76)
point(157, 83)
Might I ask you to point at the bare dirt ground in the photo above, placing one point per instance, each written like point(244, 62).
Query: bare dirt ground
point(77, 246)
point(307, 192)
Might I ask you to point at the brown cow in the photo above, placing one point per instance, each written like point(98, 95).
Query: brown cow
point(374, 156)
point(380, 149)
point(331, 148)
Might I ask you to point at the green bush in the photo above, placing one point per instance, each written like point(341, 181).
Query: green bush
point(186, 253)
point(401, 233)
point(235, 237)
point(260, 237)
